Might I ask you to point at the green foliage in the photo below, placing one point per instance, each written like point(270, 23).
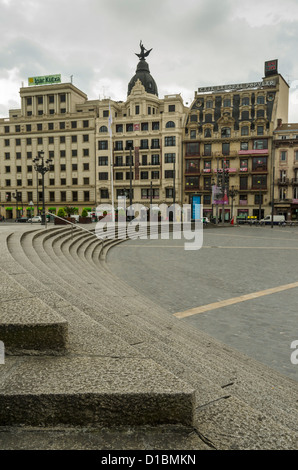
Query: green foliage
point(61, 212)
point(84, 213)
point(70, 210)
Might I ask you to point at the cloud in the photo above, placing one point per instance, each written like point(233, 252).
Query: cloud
point(195, 42)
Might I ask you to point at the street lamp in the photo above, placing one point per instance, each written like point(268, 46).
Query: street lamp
point(18, 197)
point(42, 167)
point(232, 194)
point(31, 204)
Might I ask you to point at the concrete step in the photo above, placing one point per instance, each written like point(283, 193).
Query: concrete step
point(93, 391)
point(209, 366)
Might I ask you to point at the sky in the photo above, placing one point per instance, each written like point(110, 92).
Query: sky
point(195, 43)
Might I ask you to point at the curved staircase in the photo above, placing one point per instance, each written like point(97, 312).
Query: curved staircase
point(85, 349)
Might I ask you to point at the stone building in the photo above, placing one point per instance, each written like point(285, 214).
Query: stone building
point(285, 163)
point(91, 144)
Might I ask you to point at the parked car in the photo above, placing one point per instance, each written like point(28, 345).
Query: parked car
point(277, 219)
point(22, 219)
point(35, 219)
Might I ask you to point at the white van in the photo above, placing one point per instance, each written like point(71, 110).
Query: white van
point(277, 219)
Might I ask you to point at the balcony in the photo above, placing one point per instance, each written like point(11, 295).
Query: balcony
point(294, 181)
point(253, 152)
point(283, 181)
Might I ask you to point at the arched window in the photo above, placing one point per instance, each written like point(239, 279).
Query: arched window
point(170, 124)
point(103, 129)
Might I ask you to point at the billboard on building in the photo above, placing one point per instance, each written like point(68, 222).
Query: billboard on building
point(44, 80)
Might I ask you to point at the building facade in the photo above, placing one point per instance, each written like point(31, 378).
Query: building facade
point(228, 145)
point(285, 165)
point(92, 163)
point(147, 149)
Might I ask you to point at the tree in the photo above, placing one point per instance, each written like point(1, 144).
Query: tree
point(70, 210)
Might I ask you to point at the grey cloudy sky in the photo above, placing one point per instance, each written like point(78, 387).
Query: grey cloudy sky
point(195, 43)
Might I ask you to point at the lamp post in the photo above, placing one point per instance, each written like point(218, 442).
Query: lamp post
point(31, 204)
point(18, 197)
point(260, 199)
point(232, 194)
point(42, 167)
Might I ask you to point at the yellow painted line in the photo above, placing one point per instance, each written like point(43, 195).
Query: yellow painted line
point(234, 300)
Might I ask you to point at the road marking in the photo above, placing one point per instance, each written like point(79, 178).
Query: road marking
point(234, 300)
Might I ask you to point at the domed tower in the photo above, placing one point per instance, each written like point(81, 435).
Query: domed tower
point(143, 74)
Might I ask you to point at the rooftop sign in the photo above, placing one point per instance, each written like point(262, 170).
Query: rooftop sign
point(237, 86)
point(45, 80)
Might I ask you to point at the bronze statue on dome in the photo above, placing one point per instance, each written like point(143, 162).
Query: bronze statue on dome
point(144, 52)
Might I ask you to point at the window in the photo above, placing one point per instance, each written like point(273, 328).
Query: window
point(137, 109)
point(85, 152)
point(74, 181)
point(227, 102)
point(245, 115)
point(85, 166)
point(18, 128)
point(169, 174)
point(193, 118)
point(74, 153)
point(193, 134)
point(102, 145)
point(50, 126)
point(191, 182)
point(29, 101)
point(105, 113)
point(146, 193)
point(144, 159)
point(119, 128)
point(260, 113)
point(154, 175)
point(208, 118)
point(39, 140)
point(85, 137)
point(244, 130)
point(74, 167)
point(144, 126)
point(144, 144)
point(18, 142)
point(226, 149)
point(169, 193)
point(118, 176)
point(243, 183)
point(207, 132)
point(51, 98)
point(155, 143)
point(192, 148)
point(62, 167)
point(260, 99)
point(245, 101)
point(86, 181)
point(207, 182)
point(118, 160)
point(259, 164)
point(74, 196)
point(209, 104)
point(172, 108)
point(62, 125)
point(74, 139)
point(6, 129)
point(207, 166)
point(62, 98)
point(144, 175)
point(103, 176)
point(283, 156)
point(260, 130)
point(103, 161)
point(51, 140)
point(86, 196)
point(170, 157)
point(63, 196)
point(103, 129)
point(18, 155)
point(39, 127)
point(243, 164)
point(244, 146)
point(62, 153)
point(129, 127)
point(155, 159)
point(73, 124)
point(7, 156)
point(155, 126)
point(207, 150)
point(260, 144)
point(62, 139)
point(192, 166)
point(226, 132)
point(52, 196)
point(259, 182)
point(104, 194)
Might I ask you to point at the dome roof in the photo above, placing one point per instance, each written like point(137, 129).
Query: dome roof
point(143, 74)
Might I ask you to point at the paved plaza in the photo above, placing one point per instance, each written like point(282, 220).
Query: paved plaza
point(210, 288)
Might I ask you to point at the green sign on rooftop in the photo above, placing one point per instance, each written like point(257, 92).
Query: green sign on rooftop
point(45, 80)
